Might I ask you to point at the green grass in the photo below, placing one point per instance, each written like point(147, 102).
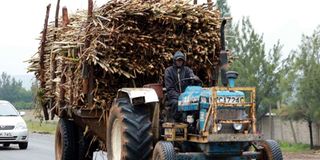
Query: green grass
point(44, 127)
point(289, 147)
point(34, 125)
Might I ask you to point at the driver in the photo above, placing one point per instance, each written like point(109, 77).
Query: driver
point(175, 84)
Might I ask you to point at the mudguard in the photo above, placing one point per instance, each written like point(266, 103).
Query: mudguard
point(138, 95)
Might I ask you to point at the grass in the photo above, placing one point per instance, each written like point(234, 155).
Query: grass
point(44, 127)
point(289, 147)
point(34, 125)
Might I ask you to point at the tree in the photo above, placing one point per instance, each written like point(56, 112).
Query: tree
point(306, 72)
point(224, 8)
point(12, 91)
point(255, 67)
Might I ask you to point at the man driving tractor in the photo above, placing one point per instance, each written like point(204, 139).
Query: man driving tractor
point(177, 77)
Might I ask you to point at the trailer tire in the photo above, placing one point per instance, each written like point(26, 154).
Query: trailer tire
point(65, 141)
point(163, 151)
point(131, 127)
point(271, 150)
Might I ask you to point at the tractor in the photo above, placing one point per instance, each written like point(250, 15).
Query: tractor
point(217, 123)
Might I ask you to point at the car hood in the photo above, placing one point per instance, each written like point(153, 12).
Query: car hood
point(10, 120)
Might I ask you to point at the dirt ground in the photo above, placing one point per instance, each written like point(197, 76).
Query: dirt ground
point(311, 155)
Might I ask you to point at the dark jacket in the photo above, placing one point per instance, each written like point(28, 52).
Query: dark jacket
point(171, 77)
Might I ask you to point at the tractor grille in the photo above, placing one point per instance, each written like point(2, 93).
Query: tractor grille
point(227, 128)
point(229, 114)
point(6, 127)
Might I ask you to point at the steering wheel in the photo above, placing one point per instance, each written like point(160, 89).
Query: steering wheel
point(190, 78)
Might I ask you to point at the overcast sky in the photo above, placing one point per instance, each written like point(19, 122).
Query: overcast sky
point(22, 21)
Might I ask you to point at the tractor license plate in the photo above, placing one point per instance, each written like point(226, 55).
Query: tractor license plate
point(5, 134)
point(229, 99)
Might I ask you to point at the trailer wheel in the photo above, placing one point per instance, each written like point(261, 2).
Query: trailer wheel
point(271, 150)
point(65, 145)
point(163, 151)
point(129, 132)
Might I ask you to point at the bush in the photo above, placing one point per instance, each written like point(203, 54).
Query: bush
point(22, 105)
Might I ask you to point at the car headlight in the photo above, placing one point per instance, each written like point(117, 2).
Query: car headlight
point(21, 125)
point(237, 126)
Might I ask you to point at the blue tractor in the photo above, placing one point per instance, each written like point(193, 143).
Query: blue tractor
point(217, 123)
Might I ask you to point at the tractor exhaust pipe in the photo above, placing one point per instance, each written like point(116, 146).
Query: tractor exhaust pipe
point(223, 55)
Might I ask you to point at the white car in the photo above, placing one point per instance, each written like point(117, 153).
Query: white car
point(13, 129)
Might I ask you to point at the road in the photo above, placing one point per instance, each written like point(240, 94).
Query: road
point(41, 147)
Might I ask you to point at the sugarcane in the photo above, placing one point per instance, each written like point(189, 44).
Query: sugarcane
point(41, 61)
point(125, 44)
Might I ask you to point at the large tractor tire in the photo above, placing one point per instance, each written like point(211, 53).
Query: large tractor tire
point(65, 143)
point(129, 132)
point(271, 150)
point(163, 151)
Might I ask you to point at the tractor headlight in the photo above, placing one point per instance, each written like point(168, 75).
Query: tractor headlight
point(237, 126)
point(219, 126)
point(190, 119)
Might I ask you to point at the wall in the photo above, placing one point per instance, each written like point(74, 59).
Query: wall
point(283, 131)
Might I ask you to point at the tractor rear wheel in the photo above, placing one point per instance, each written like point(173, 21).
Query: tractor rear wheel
point(129, 132)
point(271, 150)
point(163, 151)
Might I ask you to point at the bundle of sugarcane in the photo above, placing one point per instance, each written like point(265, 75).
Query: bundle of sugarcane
point(128, 43)
point(131, 38)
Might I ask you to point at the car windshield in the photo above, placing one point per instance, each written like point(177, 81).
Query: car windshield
point(7, 109)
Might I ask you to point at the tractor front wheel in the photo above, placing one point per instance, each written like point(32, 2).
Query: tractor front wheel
point(271, 150)
point(163, 151)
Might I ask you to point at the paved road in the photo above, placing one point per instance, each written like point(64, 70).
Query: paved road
point(41, 147)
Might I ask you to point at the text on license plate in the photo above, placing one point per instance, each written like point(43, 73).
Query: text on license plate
point(5, 134)
point(229, 99)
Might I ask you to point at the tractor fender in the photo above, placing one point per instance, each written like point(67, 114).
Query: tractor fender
point(138, 96)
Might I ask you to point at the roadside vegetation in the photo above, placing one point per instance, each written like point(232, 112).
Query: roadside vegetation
point(287, 82)
point(11, 90)
point(36, 125)
point(41, 127)
point(289, 147)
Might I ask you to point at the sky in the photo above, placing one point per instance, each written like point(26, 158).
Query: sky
point(22, 21)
